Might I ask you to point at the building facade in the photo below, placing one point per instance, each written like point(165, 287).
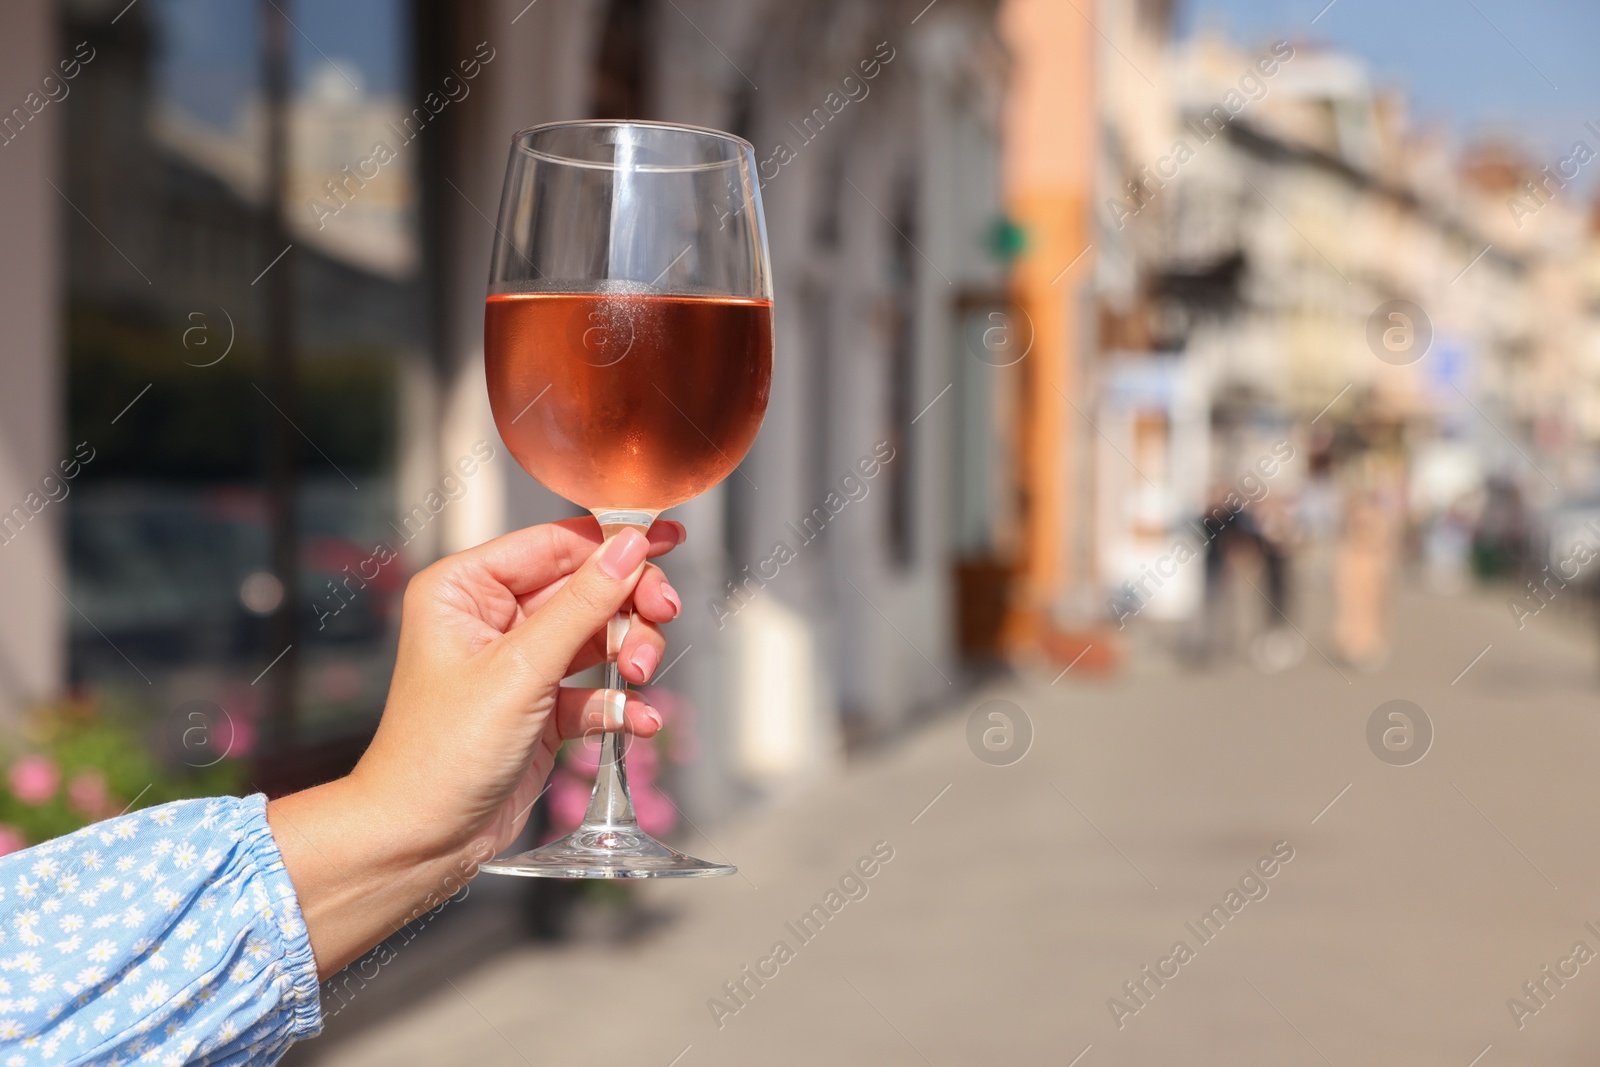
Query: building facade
point(365, 150)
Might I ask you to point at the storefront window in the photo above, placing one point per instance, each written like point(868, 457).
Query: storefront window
point(178, 384)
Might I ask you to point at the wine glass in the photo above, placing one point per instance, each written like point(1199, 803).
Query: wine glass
point(628, 343)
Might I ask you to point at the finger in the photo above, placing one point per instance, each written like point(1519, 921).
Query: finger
point(581, 712)
point(641, 653)
point(643, 649)
point(550, 639)
point(653, 598)
point(526, 559)
point(640, 632)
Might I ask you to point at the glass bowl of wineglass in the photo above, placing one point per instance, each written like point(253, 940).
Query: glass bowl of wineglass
point(628, 348)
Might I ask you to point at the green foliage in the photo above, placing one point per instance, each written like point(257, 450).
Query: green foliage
point(82, 739)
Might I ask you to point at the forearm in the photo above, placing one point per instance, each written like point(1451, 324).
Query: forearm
point(358, 873)
point(493, 630)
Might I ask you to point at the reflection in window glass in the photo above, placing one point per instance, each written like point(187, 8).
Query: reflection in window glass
point(170, 539)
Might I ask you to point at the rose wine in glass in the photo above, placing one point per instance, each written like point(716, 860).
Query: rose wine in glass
point(665, 420)
point(628, 349)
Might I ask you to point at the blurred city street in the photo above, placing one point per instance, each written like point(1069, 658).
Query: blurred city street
point(1025, 896)
point(1149, 612)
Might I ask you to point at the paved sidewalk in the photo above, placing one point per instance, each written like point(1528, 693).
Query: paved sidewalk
point(1020, 899)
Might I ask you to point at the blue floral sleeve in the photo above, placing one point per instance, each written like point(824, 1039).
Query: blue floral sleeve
point(168, 936)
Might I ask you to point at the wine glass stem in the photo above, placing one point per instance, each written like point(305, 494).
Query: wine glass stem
point(610, 806)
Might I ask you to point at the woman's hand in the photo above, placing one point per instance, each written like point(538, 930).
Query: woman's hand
point(474, 717)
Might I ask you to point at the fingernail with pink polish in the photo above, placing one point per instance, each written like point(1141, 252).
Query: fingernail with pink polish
point(654, 716)
point(623, 554)
point(670, 595)
point(644, 660)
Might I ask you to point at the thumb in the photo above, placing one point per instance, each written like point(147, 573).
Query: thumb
point(582, 606)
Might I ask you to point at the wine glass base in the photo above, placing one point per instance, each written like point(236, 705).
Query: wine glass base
point(606, 853)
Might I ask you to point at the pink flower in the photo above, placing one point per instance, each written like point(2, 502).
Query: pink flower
point(35, 779)
point(86, 793)
point(640, 758)
point(673, 708)
point(241, 739)
point(11, 840)
point(656, 813)
point(242, 699)
point(572, 783)
point(568, 798)
point(678, 717)
point(583, 758)
point(643, 763)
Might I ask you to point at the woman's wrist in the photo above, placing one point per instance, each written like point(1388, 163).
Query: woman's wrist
point(360, 874)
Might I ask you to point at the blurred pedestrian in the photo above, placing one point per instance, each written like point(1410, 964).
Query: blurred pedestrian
point(1240, 549)
point(1500, 543)
point(1364, 563)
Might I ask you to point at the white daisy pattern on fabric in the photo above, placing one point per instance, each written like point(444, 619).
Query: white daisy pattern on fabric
point(237, 987)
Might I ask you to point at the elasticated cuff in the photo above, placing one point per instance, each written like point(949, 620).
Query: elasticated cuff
point(303, 998)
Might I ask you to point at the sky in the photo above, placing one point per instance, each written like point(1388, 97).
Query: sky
point(208, 51)
point(1522, 69)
